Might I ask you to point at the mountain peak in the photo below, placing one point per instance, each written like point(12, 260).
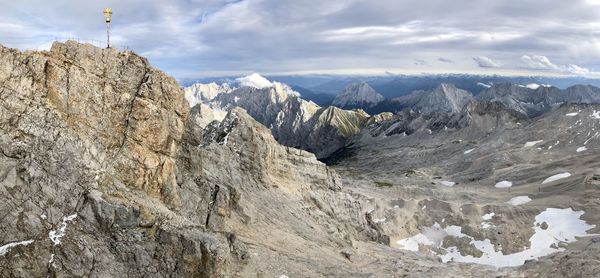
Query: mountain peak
point(358, 95)
point(444, 98)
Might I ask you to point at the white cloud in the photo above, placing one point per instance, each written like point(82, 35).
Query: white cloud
point(538, 62)
point(575, 69)
point(485, 62)
point(192, 38)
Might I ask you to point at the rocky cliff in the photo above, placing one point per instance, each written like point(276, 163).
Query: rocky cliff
point(105, 172)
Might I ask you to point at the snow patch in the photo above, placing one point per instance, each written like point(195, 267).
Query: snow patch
point(5, 248)
point(596, 115)
point(56, 235)
point(503, 184)
point(581, 149)
point(532, 143)
point(379, 220)
point(469, 151)
point(519, 200)
point(488, 216)
point(557, 177)
point(448, 183)
point(564, 225)
point(484, 85)
point(572, 114)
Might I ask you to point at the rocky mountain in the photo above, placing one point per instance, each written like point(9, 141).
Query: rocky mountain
point(443, 98)
point(357, 95)
point(536, 100)
point(294, 121)
point(107, 173)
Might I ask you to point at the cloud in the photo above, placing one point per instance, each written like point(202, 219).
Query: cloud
point(445, 60)
point(196, 38)
point(485, 62)
point(421, 62)
point(538, 62)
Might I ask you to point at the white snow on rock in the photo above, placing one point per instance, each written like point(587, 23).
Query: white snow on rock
point(557, 177)
point(532, 143)
point(200, 93)
point(519, 200)
point(503, 184)
point(469, 151)
point(488, 216)
point(596, 115)
point(448, 183)
point(581, 149)
point(379, 220)
point(5, 248)
point(56, 235)
point(564, 225)
point(572, 114)
point(254, 80)
point(484, 85)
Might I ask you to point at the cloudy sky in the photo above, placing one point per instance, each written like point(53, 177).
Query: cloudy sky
point(199, 38)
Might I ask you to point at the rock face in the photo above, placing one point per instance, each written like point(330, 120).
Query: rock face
point(357, 95)
point(106, 172)
point(444, 98)
point(535, 102)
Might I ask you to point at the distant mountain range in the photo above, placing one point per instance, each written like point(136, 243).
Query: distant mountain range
point(322, 130)
point(323, 88)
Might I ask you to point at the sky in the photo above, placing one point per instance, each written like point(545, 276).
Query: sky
point(207, 38)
